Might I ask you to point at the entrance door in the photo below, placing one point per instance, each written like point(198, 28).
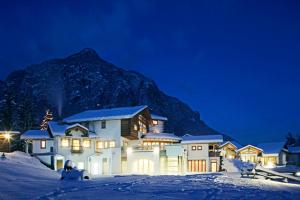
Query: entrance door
point(59, 164)
point(105, 166)
point(213, 166)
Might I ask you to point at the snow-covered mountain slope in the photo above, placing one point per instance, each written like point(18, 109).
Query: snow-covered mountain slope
point(85, 81)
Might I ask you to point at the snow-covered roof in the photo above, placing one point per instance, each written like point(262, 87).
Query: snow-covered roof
point(58, 129)
point(35, 134)
point(201, 138)
point(234, 143)
point(157, 117)
point(247, 146)
point(294, 149)
point(272, 147)
point(105, 114)
point(167, 136)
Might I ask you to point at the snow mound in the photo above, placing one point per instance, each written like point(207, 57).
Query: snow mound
point(22, 158)
point(232, 165)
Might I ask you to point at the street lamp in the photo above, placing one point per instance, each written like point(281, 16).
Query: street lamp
point(7, 136)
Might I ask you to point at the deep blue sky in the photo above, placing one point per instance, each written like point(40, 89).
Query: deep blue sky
point(236, 62)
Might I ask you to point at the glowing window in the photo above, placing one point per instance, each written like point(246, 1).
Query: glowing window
point(43, 144)
point(76, 144)
point(80, 165)
point(155, 122)
point(87, 143)
point(194, 148)
point(199, 147)
point(100, 145)
point(65, 142)
point(112, 144)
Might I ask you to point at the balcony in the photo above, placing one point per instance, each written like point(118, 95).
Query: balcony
point(213, 154)
point(76, 149)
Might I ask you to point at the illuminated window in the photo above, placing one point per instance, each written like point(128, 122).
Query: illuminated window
point(155, 122)
point(99, 145)
point(87, 143)
point(199, 147)
point(103, 124)
point(80, 165)
point(76, 144)
point(194, 148)
point(112, 144)
point(43, 144)
point(105, 144)
point(135, 127)
point(65, 142)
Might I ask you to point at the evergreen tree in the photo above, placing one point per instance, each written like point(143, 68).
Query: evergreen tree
point(290, 139)
point(26, 117)
point(6, 111)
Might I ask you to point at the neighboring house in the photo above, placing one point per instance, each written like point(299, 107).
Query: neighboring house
point(293, 157)
point(249, 153)
point(228, 149)
point(273, 154)
point(5, 139)
point(125, 140)
point(202, 152)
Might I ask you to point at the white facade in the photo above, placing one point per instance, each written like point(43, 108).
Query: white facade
point(97, 146)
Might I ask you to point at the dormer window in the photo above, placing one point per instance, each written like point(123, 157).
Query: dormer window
point(103, 124)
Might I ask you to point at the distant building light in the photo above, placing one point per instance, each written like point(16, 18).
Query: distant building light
point(7, 136)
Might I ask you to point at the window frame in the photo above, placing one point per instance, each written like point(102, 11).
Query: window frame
point(199, 148)
point(89, 142)
point(61, 142)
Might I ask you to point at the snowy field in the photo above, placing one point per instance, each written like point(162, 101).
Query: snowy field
point(23, 177)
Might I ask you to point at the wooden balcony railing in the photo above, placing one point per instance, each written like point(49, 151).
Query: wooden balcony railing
point(213, 154)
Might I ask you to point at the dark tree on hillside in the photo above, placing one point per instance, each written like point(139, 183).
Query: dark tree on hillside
point(25, 113)
point(290, 139)
point(6, 112)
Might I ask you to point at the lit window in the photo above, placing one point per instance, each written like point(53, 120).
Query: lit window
point(112, 144)
point(87, 143)
point(100, 145)
point(43, 144)
point(155, 122)
point(65, 142)
point(105, 144)
point(76, 145)
point(199, 147)
point(194, 148)
point(103, 124)
point(80, 165)
point(135, 127)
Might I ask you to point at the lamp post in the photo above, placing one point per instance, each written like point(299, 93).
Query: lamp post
point(7, 136)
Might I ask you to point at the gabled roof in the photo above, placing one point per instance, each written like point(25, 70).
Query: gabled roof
point(157, 117)
point(249, 145)
point(234, 143)
point(201, 138)
point(105, 114)
point(60, 129)
point(35, 134)
point(272, 147)
point(167, 136)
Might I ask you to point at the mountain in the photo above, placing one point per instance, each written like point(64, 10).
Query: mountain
point(85, 81)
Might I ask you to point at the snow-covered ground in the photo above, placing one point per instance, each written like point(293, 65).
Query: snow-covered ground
point(23, 177)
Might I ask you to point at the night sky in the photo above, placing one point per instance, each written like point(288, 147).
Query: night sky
point(236, 62)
